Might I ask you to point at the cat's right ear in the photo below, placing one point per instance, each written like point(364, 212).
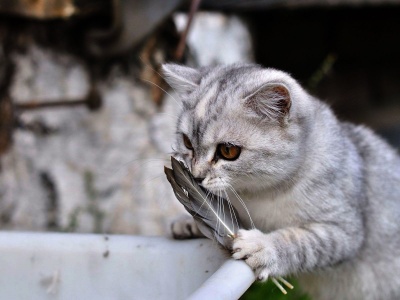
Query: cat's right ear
point(272, 101)
point(180, 78)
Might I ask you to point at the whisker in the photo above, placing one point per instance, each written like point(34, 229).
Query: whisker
point(147, 65)
point(222, 206)
point(220, 210)
point(243, 204)
point(201, 206)
point(232, 211)
point(126, 166)
point(285, 282)
point(148, 181)
point(177, 102)
point(279, 285)
point(167, 114)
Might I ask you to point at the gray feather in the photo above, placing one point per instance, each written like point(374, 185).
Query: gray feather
point(215, 217)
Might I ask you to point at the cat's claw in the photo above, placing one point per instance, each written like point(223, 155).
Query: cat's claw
point(185, 227)
point(263, 276)
point(252, 247)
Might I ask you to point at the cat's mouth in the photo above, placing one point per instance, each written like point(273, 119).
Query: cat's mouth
point(215, 186)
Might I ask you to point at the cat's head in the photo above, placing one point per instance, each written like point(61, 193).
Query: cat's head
point(240, 125)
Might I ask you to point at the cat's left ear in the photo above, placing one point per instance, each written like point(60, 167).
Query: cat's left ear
point(271, 101)
point(181, 78)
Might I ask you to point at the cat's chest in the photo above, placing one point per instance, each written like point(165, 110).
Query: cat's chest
point(269, 213)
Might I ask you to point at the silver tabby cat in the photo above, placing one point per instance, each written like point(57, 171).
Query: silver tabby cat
point(324, 195)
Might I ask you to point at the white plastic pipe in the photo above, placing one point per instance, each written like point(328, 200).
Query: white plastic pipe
point(40, 266)
point(229, 282)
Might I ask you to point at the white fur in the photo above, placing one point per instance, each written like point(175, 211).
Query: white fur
point(323, 195)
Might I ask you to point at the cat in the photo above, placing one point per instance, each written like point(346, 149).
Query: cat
point(324, 195)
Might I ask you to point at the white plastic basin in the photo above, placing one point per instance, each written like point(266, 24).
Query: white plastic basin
point(87, 266)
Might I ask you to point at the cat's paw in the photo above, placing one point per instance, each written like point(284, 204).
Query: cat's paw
point(185, 227)
point(252, 247)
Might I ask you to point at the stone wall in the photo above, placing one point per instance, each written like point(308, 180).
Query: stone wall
point(72, 169)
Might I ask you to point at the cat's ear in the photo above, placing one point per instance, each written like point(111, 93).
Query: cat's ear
point(271, 101)
point(181, 78)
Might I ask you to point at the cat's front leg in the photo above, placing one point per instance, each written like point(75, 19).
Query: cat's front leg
point(296, 249)
point(185, 227)
point(255, 248)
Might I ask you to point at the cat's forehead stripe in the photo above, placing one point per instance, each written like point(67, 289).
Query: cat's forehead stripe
point(206, 126)
point(202, 105)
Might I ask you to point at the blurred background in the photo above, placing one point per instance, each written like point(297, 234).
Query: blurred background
point(86, 119)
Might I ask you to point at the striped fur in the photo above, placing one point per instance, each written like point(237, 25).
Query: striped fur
point(324, 195)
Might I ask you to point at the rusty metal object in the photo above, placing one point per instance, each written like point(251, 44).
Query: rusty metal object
point(133, 20)
point(243, 5)
point(51, 9)
point(157, 49)
point(6, 108)
point(8, 121)
point(6, 124)
point(123, 24)
point(37, 127)
point(151, 71)
point(92, 101)
point(195, 4)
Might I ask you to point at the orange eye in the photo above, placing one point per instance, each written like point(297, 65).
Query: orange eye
point(228, 151)
point(187, 142)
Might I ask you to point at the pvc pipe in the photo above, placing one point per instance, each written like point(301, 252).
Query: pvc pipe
point(87, 266)
point(229, 282)
point(39, 266)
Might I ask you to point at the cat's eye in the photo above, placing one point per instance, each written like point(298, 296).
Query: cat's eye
point(228, 151)
point(187, 142)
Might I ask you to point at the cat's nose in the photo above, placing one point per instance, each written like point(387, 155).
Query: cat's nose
point(199, 179)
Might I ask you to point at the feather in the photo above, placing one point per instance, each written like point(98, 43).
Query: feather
point(214, 215)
